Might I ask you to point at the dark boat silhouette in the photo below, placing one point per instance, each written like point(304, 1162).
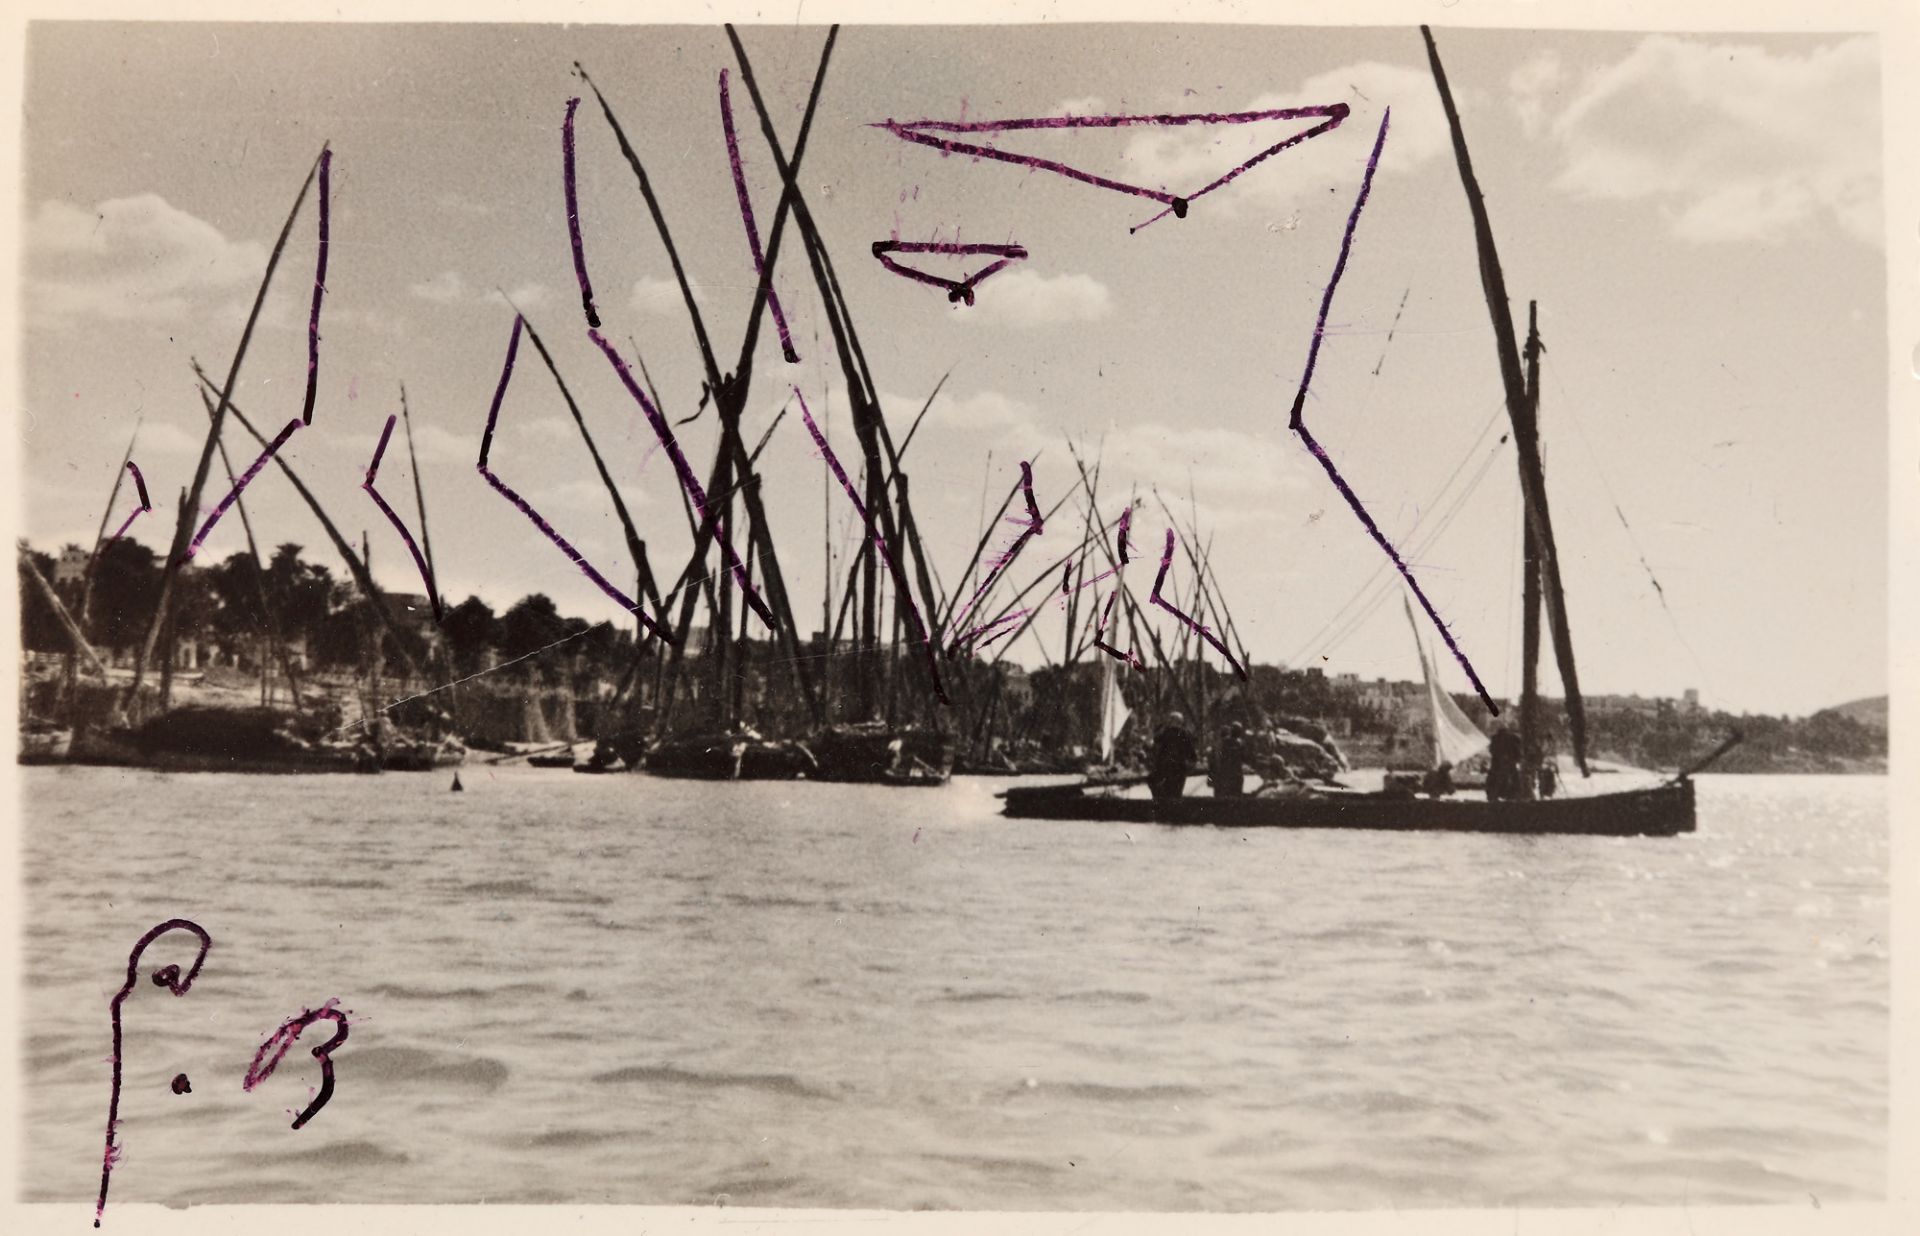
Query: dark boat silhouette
point(875, 753)
point(1659, 811)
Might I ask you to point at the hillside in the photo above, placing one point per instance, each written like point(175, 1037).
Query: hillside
point(1870, 712)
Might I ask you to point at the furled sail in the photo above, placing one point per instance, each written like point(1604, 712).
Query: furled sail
point(1455, 738)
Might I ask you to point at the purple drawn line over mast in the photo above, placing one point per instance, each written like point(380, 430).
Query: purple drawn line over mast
point(746, 217)
point(319, 292)
point(921, 132)
point(957, 290)
point(426, 574)
point(289, 1032)
point(167, 976)
point(526, 508)
point(573, 216)
point(1297, 422)
point(139, 483)
point(1166, 564)
point(919, 628)
point(313, 364)
point(1032, 526)
point(688, 480)
point(1100, 637)
point(1006, 628)
point(1106, 614)
point(246, 479)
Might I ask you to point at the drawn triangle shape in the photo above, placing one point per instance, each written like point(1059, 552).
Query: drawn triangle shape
point(958, 290)
point(928, 133)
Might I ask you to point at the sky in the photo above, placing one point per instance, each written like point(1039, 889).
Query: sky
point(1698, 218)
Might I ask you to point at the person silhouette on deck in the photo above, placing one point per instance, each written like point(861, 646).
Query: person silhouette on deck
point(1173, 755)
point(1504, 773)
point(1229, 762)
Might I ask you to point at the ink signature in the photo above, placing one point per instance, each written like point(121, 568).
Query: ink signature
point(170, 977)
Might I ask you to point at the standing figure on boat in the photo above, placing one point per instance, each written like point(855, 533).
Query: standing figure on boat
point(1549, 778)
point(1505, 773)
point(1228, 775)
point(1173, 756)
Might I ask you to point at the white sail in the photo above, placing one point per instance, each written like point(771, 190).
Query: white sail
point(1455, 738)
point(1113, 711)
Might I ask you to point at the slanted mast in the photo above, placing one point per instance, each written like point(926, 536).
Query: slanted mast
point(1520, 411)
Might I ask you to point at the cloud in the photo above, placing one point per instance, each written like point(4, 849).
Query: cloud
point(131, 259)
point(434, 444)
point(1539, 77)
point(445, 288)
point(662, 296)
point(1233, 469)
point(984, 420)
point(1028, 298)
point(1092, 105)
point(450, 287)
point(1238, 473)
point(1187, 158)
point(377, 320)
point(546, 429)
point(430, 442)
point(1734, 142)
point(590, 494)
point(526, 295)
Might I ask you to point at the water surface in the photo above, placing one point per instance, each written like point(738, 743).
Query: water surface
point(620, 989)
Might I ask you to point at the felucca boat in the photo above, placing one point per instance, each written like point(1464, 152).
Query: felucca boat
point(1664, 809)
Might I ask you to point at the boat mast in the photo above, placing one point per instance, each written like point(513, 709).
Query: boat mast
point(1526, 441)
point(826, 530)
point(1530, 736)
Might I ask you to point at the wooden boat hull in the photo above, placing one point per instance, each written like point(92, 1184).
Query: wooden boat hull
point(198, 739)
point(423, 757)
point(115, 752)
point(45, 746)
point(728, 758)
point(1661, 811)
point(877, 755)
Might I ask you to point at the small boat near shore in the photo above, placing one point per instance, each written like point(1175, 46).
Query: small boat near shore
point(733, 755)
point(873, 753)
point(423, 755)
point(44, 743)
point(199, 739)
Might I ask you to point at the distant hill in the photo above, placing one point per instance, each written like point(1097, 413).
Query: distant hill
point(1871, 711)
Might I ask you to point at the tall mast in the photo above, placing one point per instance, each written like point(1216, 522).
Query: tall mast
point(1530, 736)
point(1526, 440)
point(420, 501)
point(826, 527)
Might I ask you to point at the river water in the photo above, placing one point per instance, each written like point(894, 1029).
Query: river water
point(622, 989)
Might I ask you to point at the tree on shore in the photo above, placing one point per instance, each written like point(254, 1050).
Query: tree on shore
point(529, 625)
point(472, 631)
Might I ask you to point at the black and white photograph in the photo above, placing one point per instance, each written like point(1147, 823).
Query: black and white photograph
point(767, 613)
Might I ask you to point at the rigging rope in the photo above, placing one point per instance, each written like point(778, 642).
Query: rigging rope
point(1515, 594)
point(1390, 329)
point(1385, 589)
point(1426, 512)
point(1594, 459)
